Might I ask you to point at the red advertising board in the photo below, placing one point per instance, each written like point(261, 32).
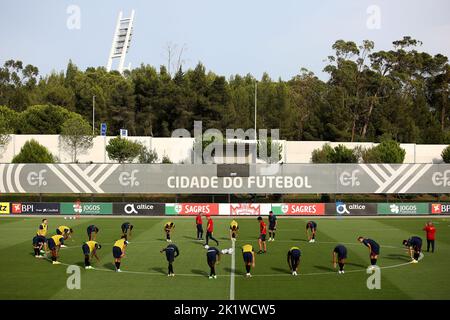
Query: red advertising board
point(301, 209)
point(195, 208)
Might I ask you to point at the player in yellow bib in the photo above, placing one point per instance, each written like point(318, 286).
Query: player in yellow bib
point(168, 229)
point(41, 235)
point(249, 258)
point(54, 244)
point(90, 250)
point(64, 231)
point(234, 227)
point(119, 251)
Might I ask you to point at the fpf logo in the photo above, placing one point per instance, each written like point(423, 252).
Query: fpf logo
point(129, 178)
point(37, 178)
point(348, 179)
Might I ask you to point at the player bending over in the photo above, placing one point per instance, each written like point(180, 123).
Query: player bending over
point(339, 256)
point(168, 228)
point(199, 225)
point(38, 244)
point(374, 250)
point(414, 245)
point(234, 227)
point(171, 253)
point(92, 232)
point(249, 258)
point(54, 244)
point(127, 228)
point(119, 251)
point(272, 226)
point(213, 258)
point(42, 232)
point(90, 250)
point(262, 235)
point(64, 231)
point(293, 259)
point(311, 226)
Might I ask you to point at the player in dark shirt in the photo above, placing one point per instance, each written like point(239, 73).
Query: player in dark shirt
point(339, 256)
point(374, 249)
point(171, 253)
point(272, 226)
point(293, 259)
point(213, 258)
point(311, 225)
point(414, 245)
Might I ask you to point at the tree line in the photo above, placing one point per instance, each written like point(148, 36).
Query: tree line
point(400, 94)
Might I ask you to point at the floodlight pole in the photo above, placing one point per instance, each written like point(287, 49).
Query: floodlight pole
point(256, 105)
point(93, 115)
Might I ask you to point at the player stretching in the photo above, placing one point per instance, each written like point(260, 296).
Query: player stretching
point(199, 224)
point(171, 253)
point(42, 233)
point(339, 256)
point(213, 258)
point(293, 259)
point(38, 244)
point(262, 235)
point(64, 231)
point(249, 258)
point(414, 245)
point(92, 232)
point(119, 251)
point(90, 250)
point(234, 227)
point(430, 229)
point(311, 225)
point(374, 250)
point(168, 228)
point(209, 231)
point(54, 244)
point(127, 228)
point(272, 226)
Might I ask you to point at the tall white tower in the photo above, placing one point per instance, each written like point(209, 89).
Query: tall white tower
point(121, 41)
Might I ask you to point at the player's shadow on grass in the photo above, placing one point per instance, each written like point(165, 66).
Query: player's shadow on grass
point(281, 270)
point(236, 272)
point(300, 240)
point(324, 268)
point(109, 266)
point(356, 264)
point(190, 238)
point(396, 256)
point(159, 270)
point(200, 272)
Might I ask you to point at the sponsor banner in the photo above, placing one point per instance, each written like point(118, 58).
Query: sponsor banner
point(45, 208)
point(344, 209)
point(440, 208)
point(192, 208)
point(249, 209)
point(4, 207)
point(403, 208)
point(86, 208)
point(139, 208)
point(305, 209)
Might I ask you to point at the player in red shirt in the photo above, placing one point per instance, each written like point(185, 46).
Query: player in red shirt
point(262, 235)
point(199, 223)
point(431, 235)
point(209, 230)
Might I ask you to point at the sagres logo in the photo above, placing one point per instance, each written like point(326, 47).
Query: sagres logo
point(37, 178)
point(441, 179)
point(129, 179)
point(392, 179)
point(87, 180)
point(349, 179)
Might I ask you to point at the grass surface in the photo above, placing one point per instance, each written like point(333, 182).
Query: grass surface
point(24, 277)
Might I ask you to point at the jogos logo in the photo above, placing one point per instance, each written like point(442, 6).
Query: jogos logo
point(299, 208)
point(440, 208)
point(4, 207)
point(192, 208)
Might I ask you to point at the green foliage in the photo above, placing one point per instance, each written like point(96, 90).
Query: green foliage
point(339, 154)
point(147, 155)
point(264, 150)
point(388, 151)
point(76, 136)
point(123, 150)
point(43, 119)
point(166, 159)
point(33, 152)
point(446, 155)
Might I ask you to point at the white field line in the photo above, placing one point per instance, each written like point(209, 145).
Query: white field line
point(233, 265)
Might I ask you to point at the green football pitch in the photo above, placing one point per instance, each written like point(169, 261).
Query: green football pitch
point(22, 276)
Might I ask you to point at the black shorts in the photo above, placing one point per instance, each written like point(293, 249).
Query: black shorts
point(418, 248)
point(262, 237)
point(200, 227)
point(39, 239)
point(58, 232)
point(170, 257)
point(375, 251)
point(126, 228)
point(211, 258)
point(117, 252)
point(51, 244)
point(248, 257)
point(271, 227)
point(86, 250)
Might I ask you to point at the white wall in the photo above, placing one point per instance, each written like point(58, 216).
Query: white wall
point(179, 149)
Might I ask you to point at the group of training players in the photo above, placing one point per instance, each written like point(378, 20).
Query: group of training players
point(43, 245)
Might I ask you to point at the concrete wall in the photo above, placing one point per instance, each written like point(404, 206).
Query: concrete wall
point(179, 149)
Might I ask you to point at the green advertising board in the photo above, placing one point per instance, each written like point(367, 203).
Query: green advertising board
point(86, 208)
point(403, 208)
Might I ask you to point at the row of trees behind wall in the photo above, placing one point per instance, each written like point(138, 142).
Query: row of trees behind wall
point(401, 94)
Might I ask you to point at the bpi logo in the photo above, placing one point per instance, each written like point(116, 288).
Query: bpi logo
point(129, 179)
point(438, 208)
point(341, 208)
point(348, 179)
point(441, 179)
point(37, 178)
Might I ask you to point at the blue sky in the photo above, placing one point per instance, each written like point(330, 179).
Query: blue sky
point(228, 36)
